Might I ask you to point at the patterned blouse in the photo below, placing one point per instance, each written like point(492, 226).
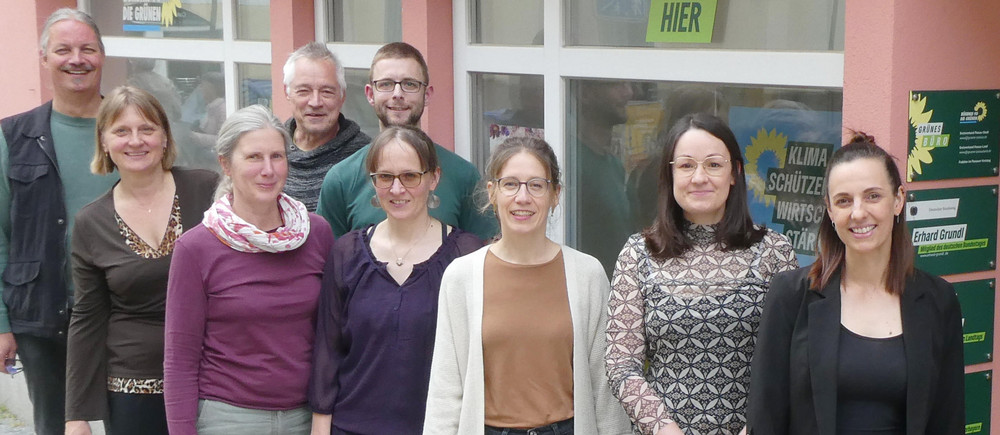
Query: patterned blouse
point(681, 332)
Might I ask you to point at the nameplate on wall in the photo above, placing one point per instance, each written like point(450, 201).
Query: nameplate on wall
point(978, 386)
point(977, 299)
point(953, 134)
point(953, 230)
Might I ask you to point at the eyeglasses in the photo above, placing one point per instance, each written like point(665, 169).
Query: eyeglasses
point(407, 85)
point(714, 166)
point(383, 180)
point(13, 366)
point(537, 187)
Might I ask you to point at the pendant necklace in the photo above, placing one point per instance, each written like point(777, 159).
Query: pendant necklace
point(399, 258)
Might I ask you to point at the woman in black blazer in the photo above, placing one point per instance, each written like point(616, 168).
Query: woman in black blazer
point(860, 342)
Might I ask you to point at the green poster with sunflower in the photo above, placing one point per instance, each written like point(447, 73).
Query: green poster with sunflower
point(953, 134)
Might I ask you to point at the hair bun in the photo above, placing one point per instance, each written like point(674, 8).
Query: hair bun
point(861, 137)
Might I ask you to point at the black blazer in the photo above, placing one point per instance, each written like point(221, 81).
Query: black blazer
point(793, 382)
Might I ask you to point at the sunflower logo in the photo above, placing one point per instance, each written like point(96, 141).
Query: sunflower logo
point(168, 10)
point(920, 154)
point(981, 106)
point(764, 142)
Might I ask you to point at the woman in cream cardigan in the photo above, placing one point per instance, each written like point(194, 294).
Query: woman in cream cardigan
point(520, 331)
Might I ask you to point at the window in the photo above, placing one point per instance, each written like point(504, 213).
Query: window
point(197, 19)
point(365, 21)
point(508, 22)
point(763, 24)
point(192, 95)
point(616, 131)
point(605, 95)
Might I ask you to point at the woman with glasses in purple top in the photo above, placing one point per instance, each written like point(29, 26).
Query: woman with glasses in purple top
point(378, 305)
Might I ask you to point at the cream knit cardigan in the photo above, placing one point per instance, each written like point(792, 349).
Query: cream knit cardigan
point(455, 400)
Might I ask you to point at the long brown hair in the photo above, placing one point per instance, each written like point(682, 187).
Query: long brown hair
point(666, 237)
point(830, 250)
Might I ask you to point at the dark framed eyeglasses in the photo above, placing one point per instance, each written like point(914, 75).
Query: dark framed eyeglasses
point(383, 180)
point(509, 186)
point(407, 85)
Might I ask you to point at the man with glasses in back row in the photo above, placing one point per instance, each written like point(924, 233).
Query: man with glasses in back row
point(398, 89)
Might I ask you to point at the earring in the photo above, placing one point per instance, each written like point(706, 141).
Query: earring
point(897, 218)
point(834, 224)
point(375, 203)
point(433, 201)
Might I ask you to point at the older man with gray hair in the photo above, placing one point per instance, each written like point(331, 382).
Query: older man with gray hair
point(322, 136)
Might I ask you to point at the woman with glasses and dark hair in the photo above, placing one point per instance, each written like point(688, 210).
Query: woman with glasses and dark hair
point(520, 332)
point(860, 342)
point(687, 292)
point(242, 294)
point(378, 304)
point(122, 248)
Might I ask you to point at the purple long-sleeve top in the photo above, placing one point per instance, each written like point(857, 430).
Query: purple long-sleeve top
point(375, 338)
point(240, 326)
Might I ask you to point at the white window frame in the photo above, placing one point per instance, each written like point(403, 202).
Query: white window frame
point(557, 64)
point(229, 51)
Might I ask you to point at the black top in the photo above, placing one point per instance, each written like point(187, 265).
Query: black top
point(793, 383)
point(871, 385)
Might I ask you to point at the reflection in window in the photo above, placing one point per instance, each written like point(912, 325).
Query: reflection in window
point(356, 107)
point(505, 105)
point(253, 20)
point(761, 25)
point(255, 84)
point(199, 19)
point(365, 21)
point(616, 131)
point(508, 22)
point(191, 93)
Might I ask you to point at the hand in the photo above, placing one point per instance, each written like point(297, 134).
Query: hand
point(744, 431)
point(8, 349)
point(77, 427)
point(670, 429)
point(321, 424)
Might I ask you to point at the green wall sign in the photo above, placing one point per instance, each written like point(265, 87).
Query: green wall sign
point(977, 301)
point(681, 21)
point(953, 230)
point(953, 134)
point(977, 402)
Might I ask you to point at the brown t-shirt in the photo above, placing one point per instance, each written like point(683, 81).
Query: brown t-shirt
point(527, 343)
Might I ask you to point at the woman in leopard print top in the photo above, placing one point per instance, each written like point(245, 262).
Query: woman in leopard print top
point(121, 250)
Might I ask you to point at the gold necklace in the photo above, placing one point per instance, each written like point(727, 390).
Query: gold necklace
point(399, 258)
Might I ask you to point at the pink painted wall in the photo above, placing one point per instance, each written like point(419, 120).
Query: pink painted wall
point(894, 47)
point(427, 25)
point(293, 24)
point(23, 85)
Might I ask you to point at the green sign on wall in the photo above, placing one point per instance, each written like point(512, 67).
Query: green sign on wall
point(977, 402)
point(977, 301)
point(953, 134)
point(953, 230)
point(681, 21)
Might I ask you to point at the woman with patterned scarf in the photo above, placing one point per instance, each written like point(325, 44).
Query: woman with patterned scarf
point(242, 294)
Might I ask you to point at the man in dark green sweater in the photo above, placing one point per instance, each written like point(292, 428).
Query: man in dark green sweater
point(398, 89)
